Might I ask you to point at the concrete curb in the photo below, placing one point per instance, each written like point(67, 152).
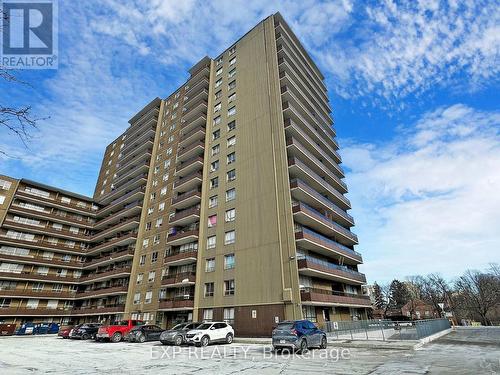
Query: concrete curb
point(375, 344)
point(433, 337)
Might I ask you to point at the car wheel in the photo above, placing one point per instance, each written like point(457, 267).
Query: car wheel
point(229, 338)
point(98, 339)
point(323, 343)
point(303, 346)
point(141, 338)
point(205, 340)
point(178, 340)
point(117, 337)
point(85, 336)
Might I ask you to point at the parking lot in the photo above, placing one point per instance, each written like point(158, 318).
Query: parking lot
point(464, 351)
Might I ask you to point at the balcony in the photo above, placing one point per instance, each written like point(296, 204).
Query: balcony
point(304, 193)
point(40, 260)
point(119, 203)
point(195, 111)
point(123, 226)
point(132, 209)
point(180, 258)
point(179, 279)
point(321, 151)
point(182, 237)
point(131, 143)
point(102, 292)
point(185, 217)
point(310, 240)
point(98, 310)
point(106, 275)
point(188, 183)
point(131, 172)
point(189, 166)
point(52, 202)
point(44, 230)
point(190, 152)
point(134, 162)
point(332, 298)
point(196, 97)
point(198, 82)
point(52, 216)
point(308, 216)
point(195, 135)
point(42, 311)
point(137, 152)
point(197, 122)
point(296, 149)
point(39, 244)
point(109, 259)
point(24, 276)
point(38, 294)
point(126, 239)
point(124, 189)
point(179, 303)
point(310, 266)
point(187, 199)
point(299, 170)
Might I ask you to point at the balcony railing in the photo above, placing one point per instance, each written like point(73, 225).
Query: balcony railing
point(306, 261)
point(106, 290)
point(182, 277)
point(98, 310)
point(195, 211)
point(177, 303)
point(328, 296)
point(88, 209)
point(178, 257)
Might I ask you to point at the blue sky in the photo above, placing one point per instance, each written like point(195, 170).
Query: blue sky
point(414, 88)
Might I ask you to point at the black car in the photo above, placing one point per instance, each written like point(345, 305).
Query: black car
point(84, 331)
point(298, 335)
point(177, 334)
point(146, 332)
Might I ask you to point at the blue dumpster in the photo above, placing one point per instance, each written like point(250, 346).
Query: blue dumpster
point(26, 329)
point(53, 328)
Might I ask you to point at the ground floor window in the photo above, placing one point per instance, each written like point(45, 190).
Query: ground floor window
point(208, 315)
point(309, 313)
point(229, 315)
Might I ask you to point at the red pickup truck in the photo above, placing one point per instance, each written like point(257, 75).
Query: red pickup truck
point(116, 331)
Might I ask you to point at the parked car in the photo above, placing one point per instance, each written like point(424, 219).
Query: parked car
point(64, 332)
point(25, 329)
point(177, 334)
point(116, 331)
point(85, 331)
point(146, 332)
point(298, 335)
point(7, 329)
point(45, 328)
point(210, 332)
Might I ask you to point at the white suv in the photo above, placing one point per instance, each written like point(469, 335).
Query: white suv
point(210, 332)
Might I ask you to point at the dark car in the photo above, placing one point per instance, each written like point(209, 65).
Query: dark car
point(298, 335)
point(177, 334)
point(146, 332)
point(85, 331)
point(64, 332)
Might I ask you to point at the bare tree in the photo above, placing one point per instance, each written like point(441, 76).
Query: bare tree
point(479, 293)
point(414, 289)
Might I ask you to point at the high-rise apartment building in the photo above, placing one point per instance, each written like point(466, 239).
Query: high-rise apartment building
point(224, 201)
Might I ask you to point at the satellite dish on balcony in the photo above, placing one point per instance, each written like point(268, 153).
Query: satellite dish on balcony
point(185, 280)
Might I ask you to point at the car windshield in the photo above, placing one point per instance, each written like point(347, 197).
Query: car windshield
point(204, 326)
point(179, 326)
point(120, 323)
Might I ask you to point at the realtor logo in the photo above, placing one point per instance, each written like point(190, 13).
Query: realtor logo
point(29, 34)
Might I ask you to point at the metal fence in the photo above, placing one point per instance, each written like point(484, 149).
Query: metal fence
point(384, 329)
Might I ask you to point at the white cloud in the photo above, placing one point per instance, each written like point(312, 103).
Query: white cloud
point(428, 201)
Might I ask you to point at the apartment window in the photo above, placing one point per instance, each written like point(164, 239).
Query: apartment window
point(165, 178)
point(209, 292)
point(211, 242)
point(231, 111)
point(58, 288)
point(230, 215)
point(159, 222)
point(228, 261)
point(142, 260)
point(229, 237)
point(218, 83)
point(154, 257)
point(231, 141)
point(229, 315)
point(156, 239)
point(231, 98)
point(214, 182)
point(231, 175)
point(210, 265)
point(43, 270)
point(217, 107)
point(152, 197)
point(229, 287)
point(230, 194)
point(212, 201)
point(231, 73)
point(2, 199)
point(218, 72)
point(163, 190)
point(139, 278)
point(37, 287)
point(151, 276)
point(217, 120)
point(32, 303)
point(232, 61)
point(216, 135)
point(170, 139)
point(169, 151)
point(148, 226)
point(161, 206)
point(145, 243)
point(137, 298)
point(215, 150)
point(212, 221)
point(220, 60)
point(151, 210)
point(57, 226)
point(214, 166)
point(231, 85)
point(232, 50)
point(5, 185)
point(231, 158)
point(167, 163)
